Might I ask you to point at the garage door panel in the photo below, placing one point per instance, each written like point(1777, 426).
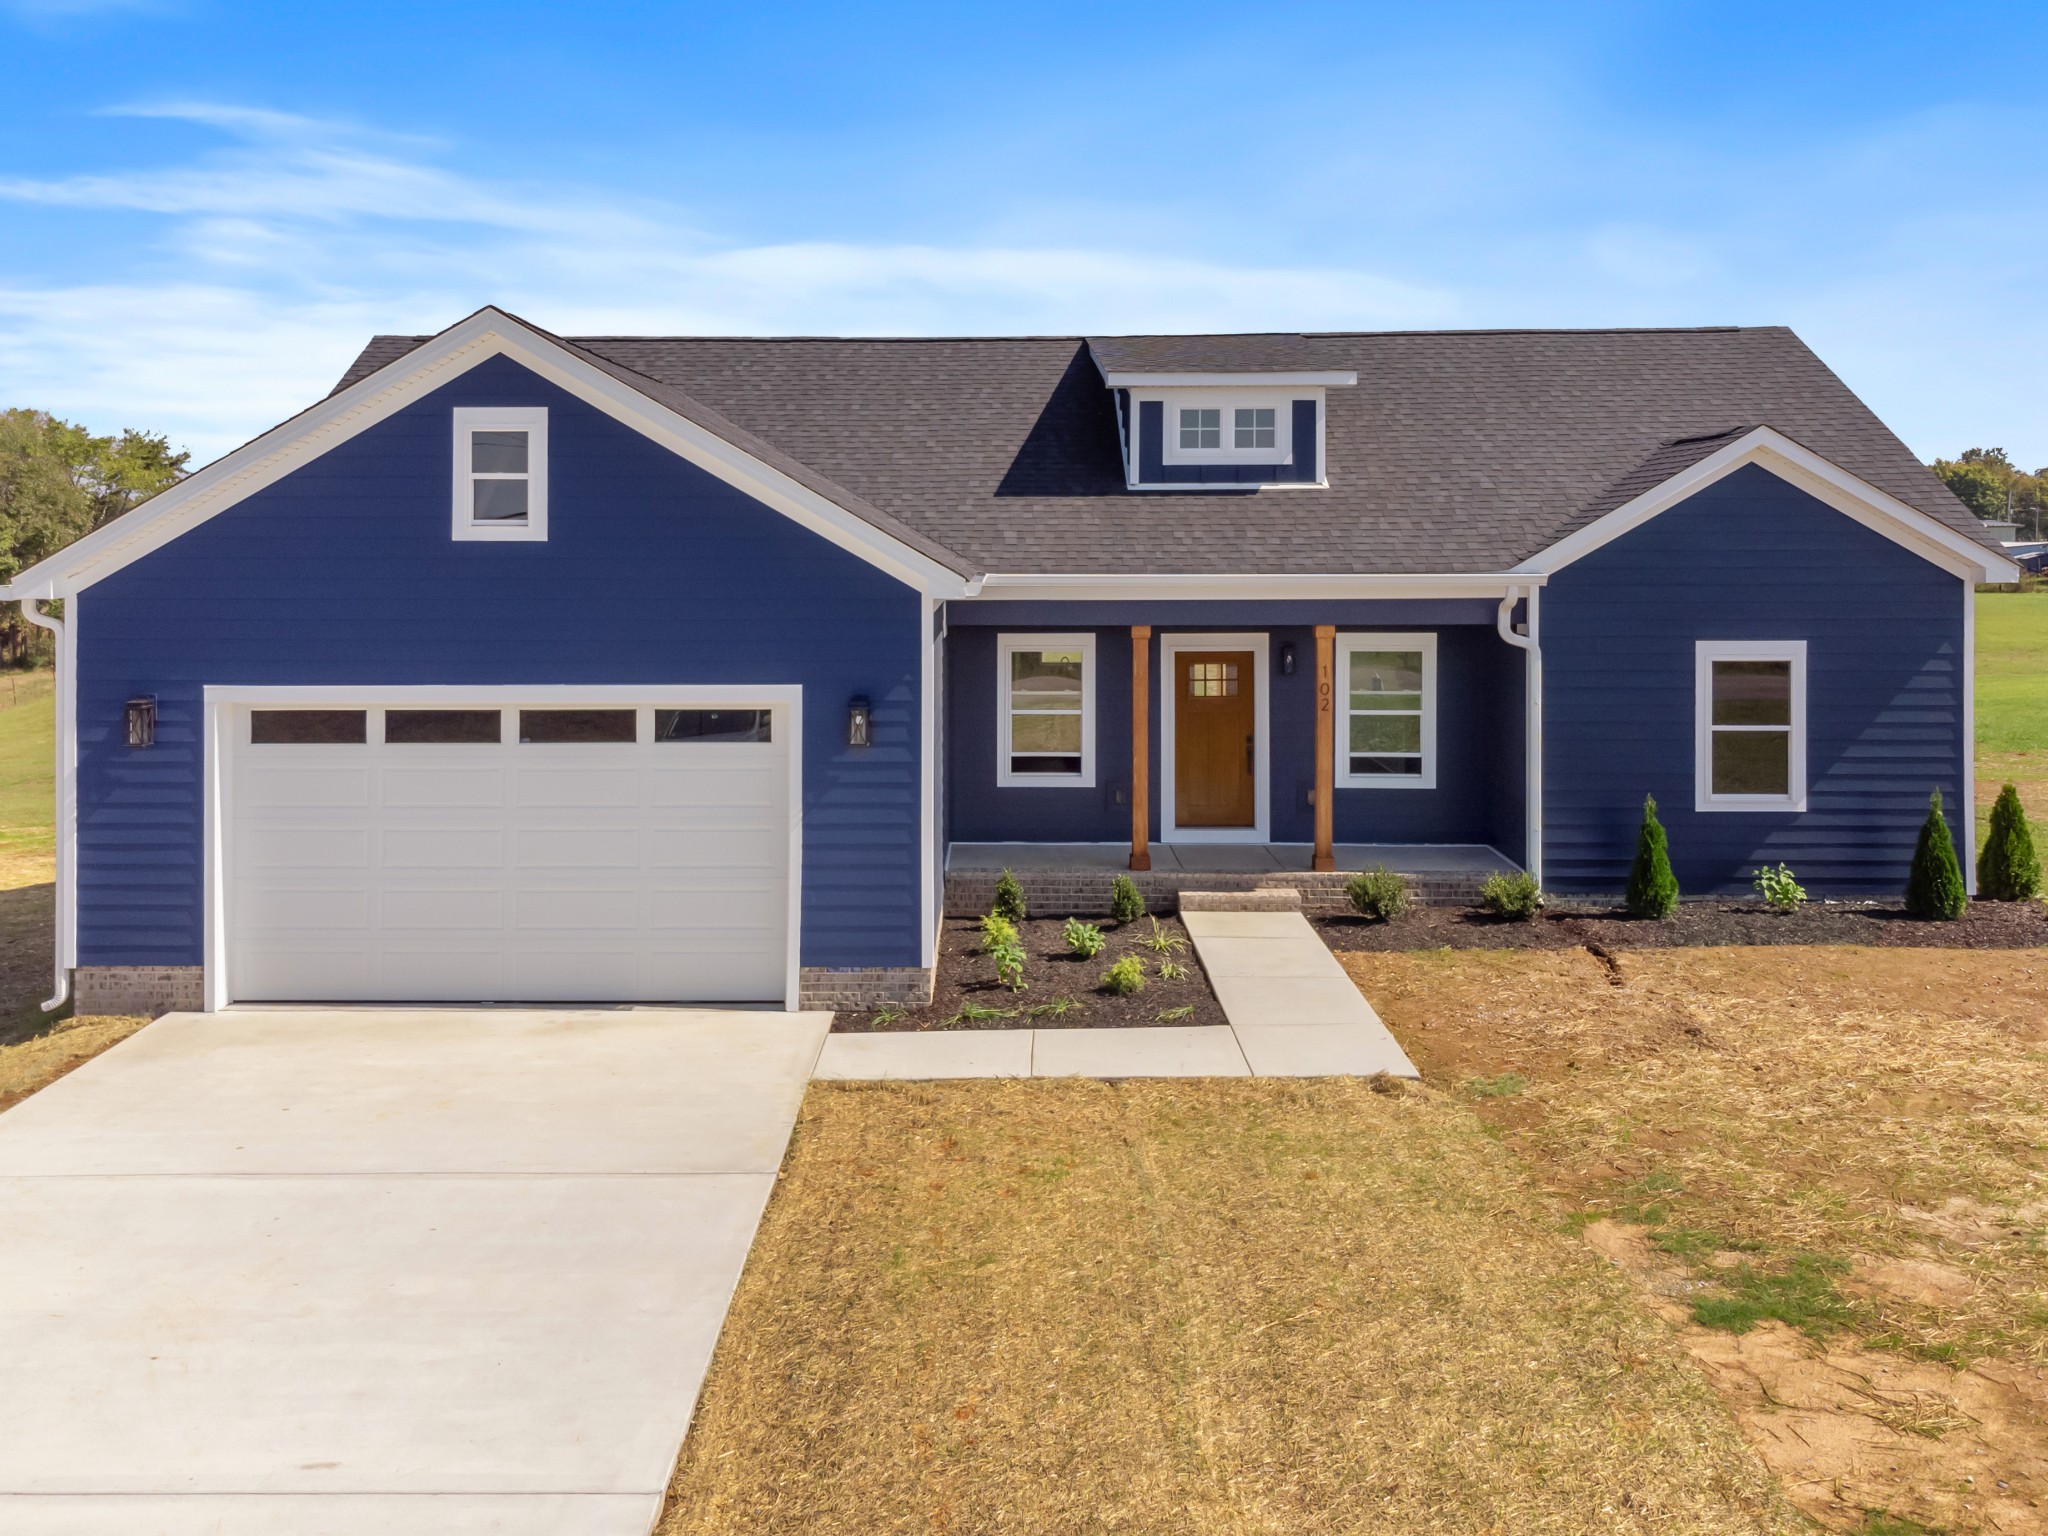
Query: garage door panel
point(452, 872)
point(441, 908)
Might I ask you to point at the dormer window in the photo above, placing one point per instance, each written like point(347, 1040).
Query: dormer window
point(1255, 426)
point(1201, 428)
point(501, 472)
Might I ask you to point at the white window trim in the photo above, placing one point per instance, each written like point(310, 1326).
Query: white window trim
point(1005, 646)
point(1347, 646)
point(530, 419)
point(1705, 654)
point(1281, 405)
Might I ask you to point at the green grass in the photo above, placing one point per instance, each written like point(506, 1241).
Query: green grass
point(28, 730)
point(2012, 698)
point(1802, 1295)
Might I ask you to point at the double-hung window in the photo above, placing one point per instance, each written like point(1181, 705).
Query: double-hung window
point(1045, 710)
point(1749, 725)
point(501, 472)
point(1386, 711)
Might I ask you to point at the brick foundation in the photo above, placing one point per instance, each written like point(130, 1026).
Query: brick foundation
point(137, 989)
point(1085, 892)
point(853, 991)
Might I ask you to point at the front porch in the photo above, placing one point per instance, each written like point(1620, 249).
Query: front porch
point(1075, 878)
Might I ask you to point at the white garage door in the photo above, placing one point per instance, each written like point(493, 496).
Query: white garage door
point(479, 850)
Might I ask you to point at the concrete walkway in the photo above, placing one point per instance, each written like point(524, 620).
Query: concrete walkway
point(318, 1273)
point(1292, 1011)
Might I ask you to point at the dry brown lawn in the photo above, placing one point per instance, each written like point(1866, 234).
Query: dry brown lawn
point(40, 1060)
point(1189, 1307)
point(1836, 1157)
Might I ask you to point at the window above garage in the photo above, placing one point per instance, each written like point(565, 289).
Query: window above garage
point(501, 472)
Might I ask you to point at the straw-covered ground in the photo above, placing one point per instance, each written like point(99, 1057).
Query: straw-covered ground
point(1244, 1307)
point(1828, 1166)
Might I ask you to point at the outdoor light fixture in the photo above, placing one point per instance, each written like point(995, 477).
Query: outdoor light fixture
point(857, 718)
point(1287, 658)
point(142, 722)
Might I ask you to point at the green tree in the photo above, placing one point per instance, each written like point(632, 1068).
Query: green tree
point(2009, 869)
point(1652, 887)
point(1980, 483)
point(1934, 885)
point(58, 482)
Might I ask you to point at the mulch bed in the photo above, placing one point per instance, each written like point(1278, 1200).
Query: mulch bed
point(1566, 925)
point(967, 995)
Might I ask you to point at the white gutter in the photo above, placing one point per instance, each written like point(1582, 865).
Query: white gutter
point(1531, 647)
point(66, 763)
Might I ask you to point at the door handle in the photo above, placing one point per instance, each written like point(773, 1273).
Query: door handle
point(1248, 765)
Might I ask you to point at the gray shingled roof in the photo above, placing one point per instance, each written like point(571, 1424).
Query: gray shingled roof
point(1456, 451)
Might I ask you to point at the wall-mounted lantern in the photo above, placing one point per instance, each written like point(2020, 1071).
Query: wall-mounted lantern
point(858, 718)
point(142, 722)
point(1287, 658)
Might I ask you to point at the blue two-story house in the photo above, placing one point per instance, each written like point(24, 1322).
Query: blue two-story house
point(688, 669)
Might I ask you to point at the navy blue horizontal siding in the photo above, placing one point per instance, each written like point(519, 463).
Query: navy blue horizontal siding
point(1751, 558)
point(344, 572)
point(1478, 798)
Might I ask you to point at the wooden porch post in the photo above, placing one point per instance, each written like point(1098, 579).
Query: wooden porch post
point(1141, 746)
point(1326, 744)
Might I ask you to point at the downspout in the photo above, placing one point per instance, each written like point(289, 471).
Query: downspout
point(1531, 647)
point(62, 925)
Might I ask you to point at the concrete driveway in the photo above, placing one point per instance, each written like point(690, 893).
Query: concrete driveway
point(320, 1273)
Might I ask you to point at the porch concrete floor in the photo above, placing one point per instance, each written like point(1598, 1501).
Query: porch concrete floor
point(1233, 858)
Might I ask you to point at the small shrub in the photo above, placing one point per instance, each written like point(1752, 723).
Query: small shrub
point(1124, 978)
point(1652, 888)
point(1000, 943)
point(1126, 904)
point(996, 930)
point(1009, 898)
point(1934, 885)
point(1160, 942)
point(1781, 893)
point(1083, 939)
point(1377, 893)
point(1516, 895)
point(1172, 970)
point(2009, 869)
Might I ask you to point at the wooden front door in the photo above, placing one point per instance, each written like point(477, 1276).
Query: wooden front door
point(1214, 725)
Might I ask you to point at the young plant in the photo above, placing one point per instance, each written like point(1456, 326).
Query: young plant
point(1934, 885)
point(1009, 900)
point(1126, 903)
point(1172, 970)
point(996, 930)
point(1009, 959)
point(1377, 893)
point(1515, 896)
point(1781, 893)
point(2009, 869)
point(1124, 978)
point(1083, 939)
point(1058, 1008)
point(974, 1013)
point(1652, 888)
point(1168, 1015)
point(1160, 942)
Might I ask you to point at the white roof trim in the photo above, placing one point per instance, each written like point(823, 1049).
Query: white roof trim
point(999, 587)
point(488, 333)
point(1824, 480)
point(1340, 379)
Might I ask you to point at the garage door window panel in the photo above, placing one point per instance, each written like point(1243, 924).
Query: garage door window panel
point(308, 727)
point(577, 727)
point(713, 725)
point(436, 727)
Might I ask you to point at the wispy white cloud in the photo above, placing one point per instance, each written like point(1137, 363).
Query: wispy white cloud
point(303, 237)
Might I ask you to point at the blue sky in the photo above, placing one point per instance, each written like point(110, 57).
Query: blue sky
point(205, 208)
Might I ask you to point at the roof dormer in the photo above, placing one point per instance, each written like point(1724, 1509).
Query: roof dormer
point(1220, 413)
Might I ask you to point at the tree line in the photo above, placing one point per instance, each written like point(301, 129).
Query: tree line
point(1996, 489)
point(58, 482)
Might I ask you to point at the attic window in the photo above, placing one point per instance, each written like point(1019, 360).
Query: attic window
point(501, 472)
point(1201, 429)
point(1255, 427)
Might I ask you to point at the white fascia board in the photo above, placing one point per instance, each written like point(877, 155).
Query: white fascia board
point(998, 587)
point(484, 335)
point(1823, 479)
point(1339, 379)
